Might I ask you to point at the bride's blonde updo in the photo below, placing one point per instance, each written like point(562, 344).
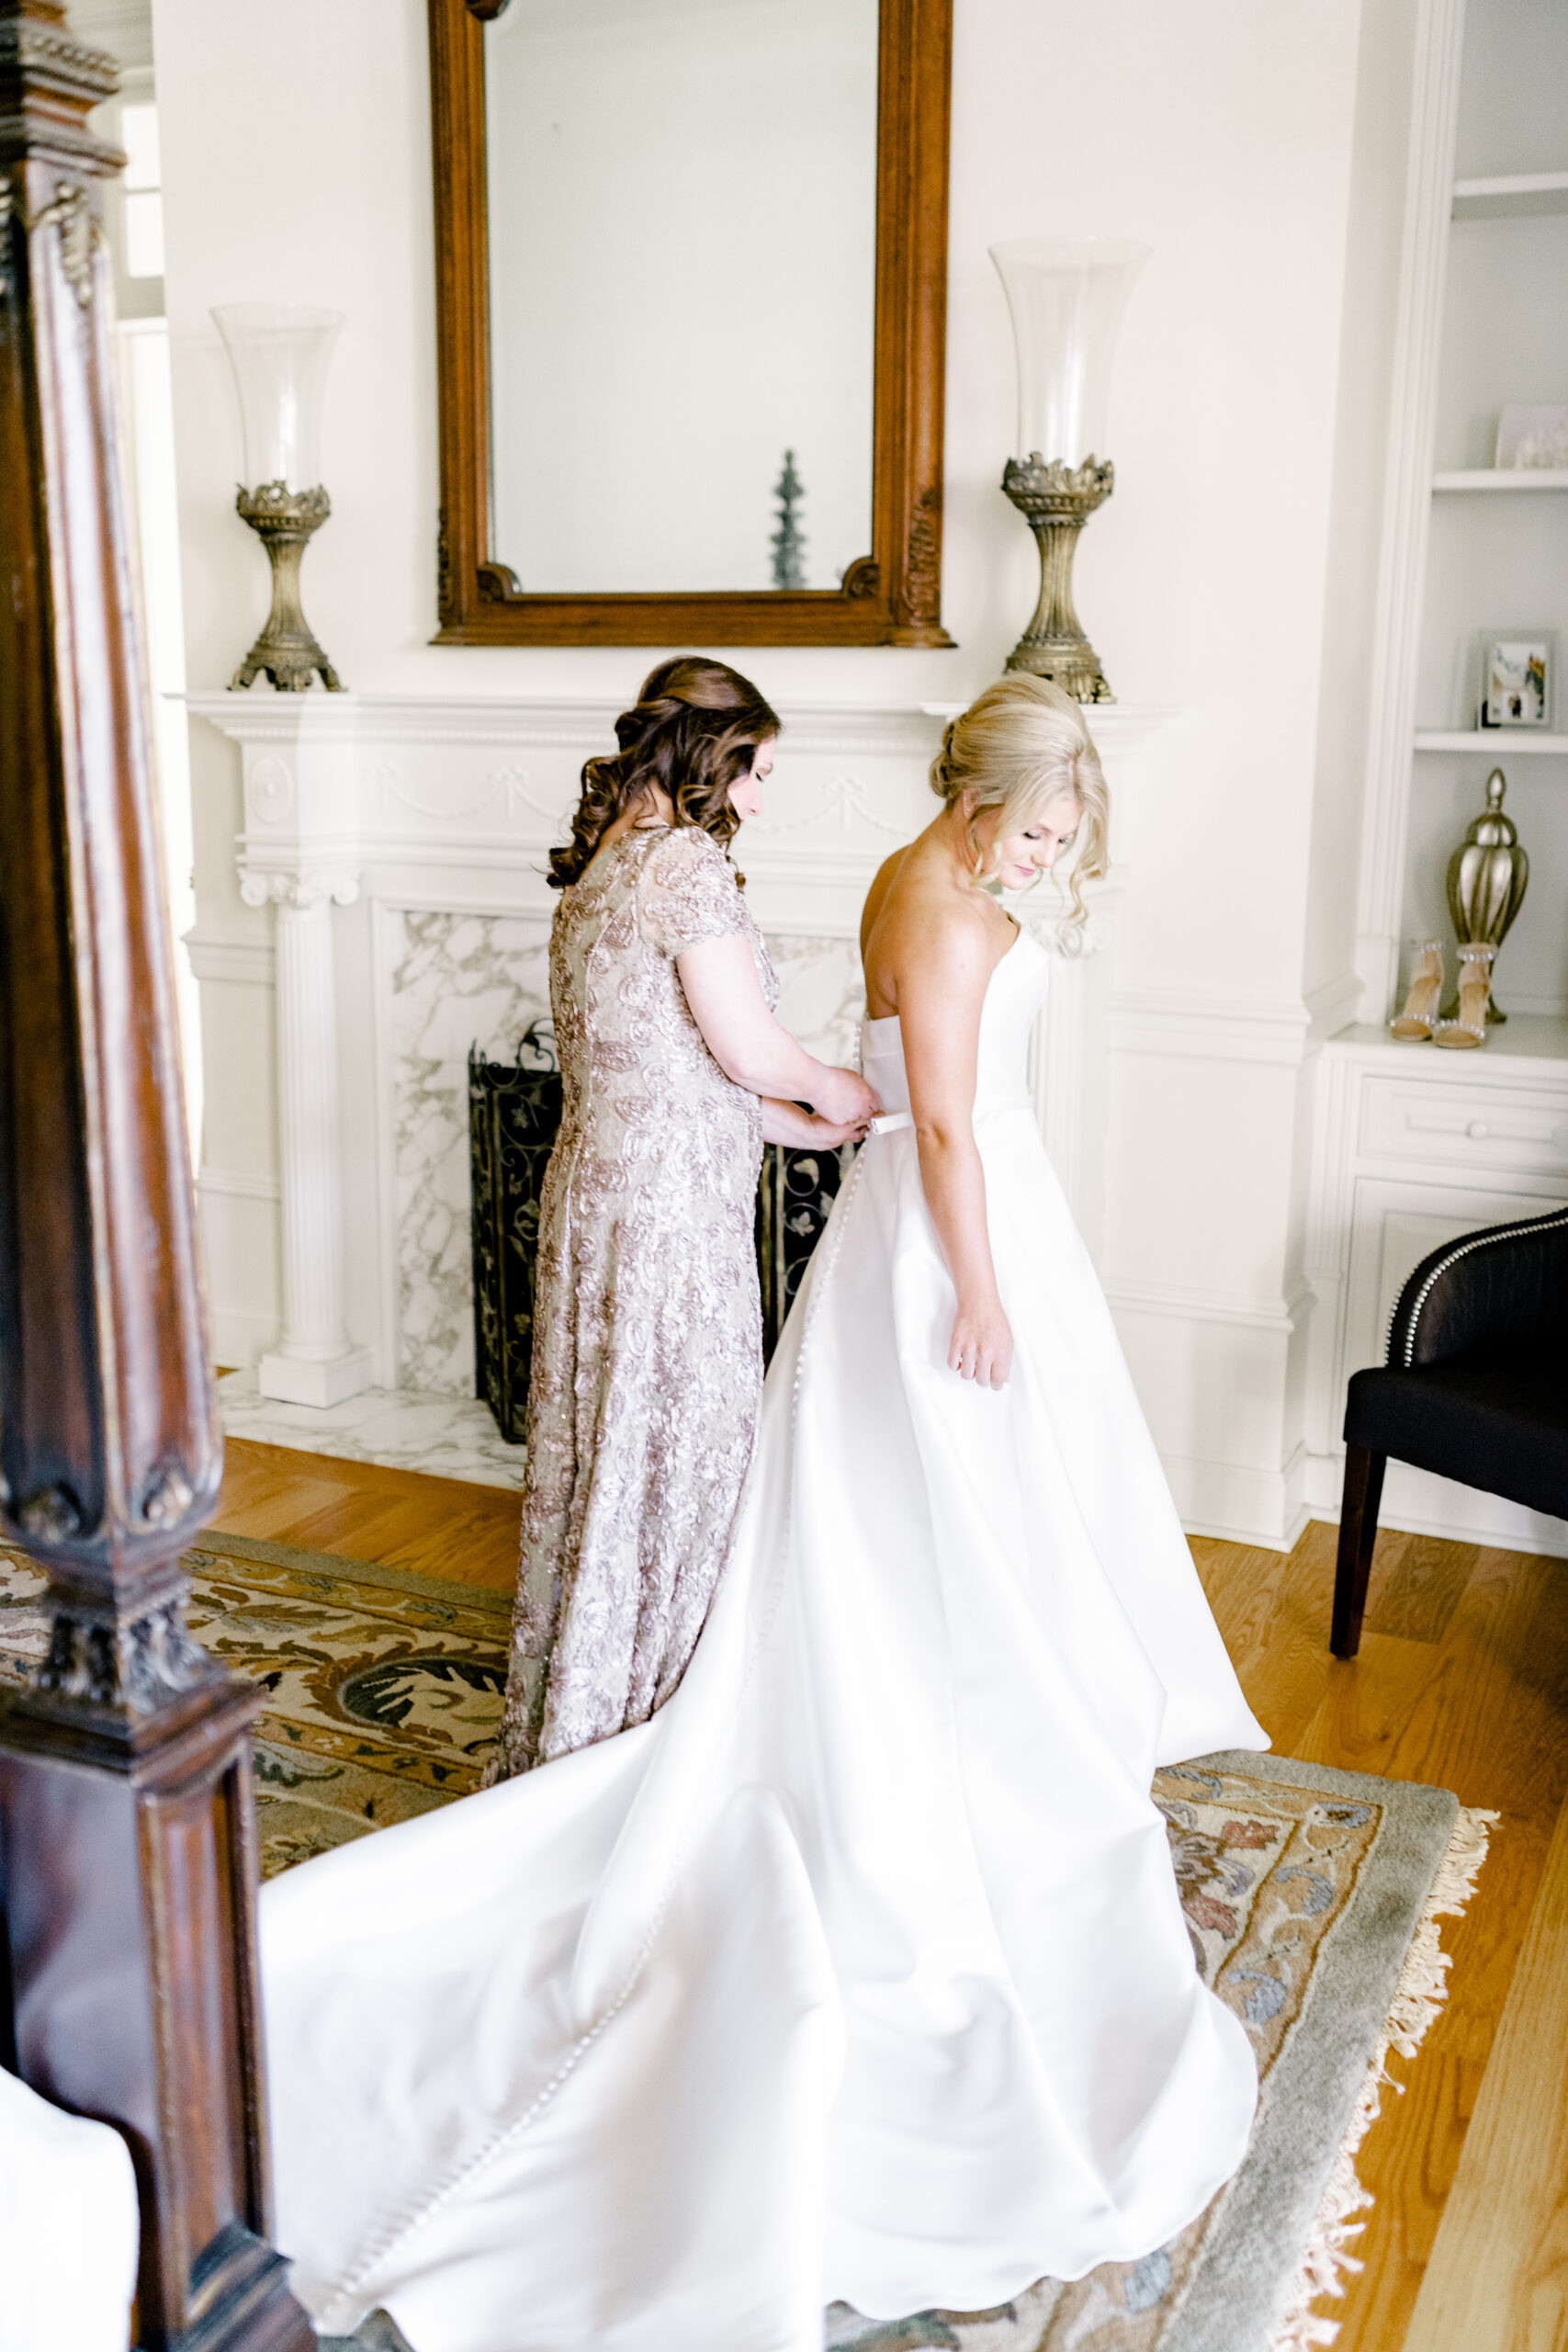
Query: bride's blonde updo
point(1018, 746)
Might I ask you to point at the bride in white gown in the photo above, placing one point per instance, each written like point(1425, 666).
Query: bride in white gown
point(858, 1972)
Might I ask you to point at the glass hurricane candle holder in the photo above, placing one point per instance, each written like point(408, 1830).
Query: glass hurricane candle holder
point(281, 357)
point(1065, 299)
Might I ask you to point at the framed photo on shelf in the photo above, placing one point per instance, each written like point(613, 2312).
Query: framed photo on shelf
point(1518, 678)
point(1532, 439)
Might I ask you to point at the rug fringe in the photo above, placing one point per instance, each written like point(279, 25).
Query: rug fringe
point(1423, 1988)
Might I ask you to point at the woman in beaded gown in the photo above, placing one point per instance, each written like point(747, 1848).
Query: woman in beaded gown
point(855, 1979)
point(646, 1372)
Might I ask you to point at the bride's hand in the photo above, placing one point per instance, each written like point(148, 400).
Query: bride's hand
point(843, 1098)
point(981, 1346)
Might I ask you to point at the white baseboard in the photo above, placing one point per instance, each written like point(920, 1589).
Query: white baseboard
point(240, 1340)
point(1419, 1503)
point(1238, 1503)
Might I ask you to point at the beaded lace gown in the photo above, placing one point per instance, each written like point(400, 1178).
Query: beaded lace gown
point(857, 1973)
point(647, 1368)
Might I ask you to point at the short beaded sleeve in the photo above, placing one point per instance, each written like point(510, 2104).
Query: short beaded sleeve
point(688, 893)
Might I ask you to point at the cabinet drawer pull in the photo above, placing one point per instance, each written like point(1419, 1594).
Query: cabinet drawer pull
point(1521, 1130)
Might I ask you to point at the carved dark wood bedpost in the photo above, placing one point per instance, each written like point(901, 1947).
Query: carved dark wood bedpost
point(127, 1825)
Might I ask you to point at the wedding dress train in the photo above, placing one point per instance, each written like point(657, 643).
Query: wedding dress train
point(856, 1973)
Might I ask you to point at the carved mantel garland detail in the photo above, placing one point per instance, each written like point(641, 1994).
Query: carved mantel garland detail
point(843, 796)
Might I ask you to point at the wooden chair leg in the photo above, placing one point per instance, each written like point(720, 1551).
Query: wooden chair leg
point(1358, 1533)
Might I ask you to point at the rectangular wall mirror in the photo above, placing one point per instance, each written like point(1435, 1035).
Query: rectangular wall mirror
point(690, 281)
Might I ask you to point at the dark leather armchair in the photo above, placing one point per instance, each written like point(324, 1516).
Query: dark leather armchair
point(1475, 1387)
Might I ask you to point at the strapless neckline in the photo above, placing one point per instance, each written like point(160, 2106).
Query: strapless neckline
point(1014, 993)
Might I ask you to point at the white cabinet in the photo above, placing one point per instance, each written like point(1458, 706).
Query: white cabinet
point(1504, 1127)
point(1412, 1148)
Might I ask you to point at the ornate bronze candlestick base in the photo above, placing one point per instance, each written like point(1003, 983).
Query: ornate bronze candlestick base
point(1056, 501)
point(283, 520)
point(1488, 875)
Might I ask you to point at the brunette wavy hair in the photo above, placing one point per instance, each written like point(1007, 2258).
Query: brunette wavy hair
point(693, 732)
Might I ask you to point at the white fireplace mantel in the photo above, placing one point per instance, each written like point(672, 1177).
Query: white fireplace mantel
point(345, 791)
point(400, 808)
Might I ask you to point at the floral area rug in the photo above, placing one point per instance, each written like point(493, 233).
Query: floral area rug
point(1311, 1897)
point(383, 1687)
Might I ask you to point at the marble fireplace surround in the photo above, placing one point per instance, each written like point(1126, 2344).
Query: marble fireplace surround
point(430, 819)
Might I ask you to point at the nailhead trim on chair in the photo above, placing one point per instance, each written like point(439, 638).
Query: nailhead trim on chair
point(1494, 1233)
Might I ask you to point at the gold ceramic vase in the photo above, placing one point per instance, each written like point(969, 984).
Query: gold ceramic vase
point(1487, 877)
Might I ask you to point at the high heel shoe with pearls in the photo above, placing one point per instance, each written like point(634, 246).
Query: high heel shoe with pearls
point(1467, 1027)
point(1419, 1018)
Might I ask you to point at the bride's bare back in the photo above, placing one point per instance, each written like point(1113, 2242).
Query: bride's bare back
point(918, 897)
point(930, 942)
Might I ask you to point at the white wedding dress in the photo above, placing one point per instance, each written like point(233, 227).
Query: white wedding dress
point(858, 1972)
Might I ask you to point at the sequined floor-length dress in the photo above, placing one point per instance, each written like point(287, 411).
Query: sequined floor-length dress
point(647, 1374)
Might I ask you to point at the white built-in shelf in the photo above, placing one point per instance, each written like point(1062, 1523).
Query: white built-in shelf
point(1523, 1037)
point(1515, 192)
point(1507, 742)
point(1506, 478)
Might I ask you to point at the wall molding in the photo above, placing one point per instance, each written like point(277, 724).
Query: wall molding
point(1417, 1502)
point(894, 730)
point(879, 730)
point(1238, 1503)
point(1215, 1028)
point(249, 963)
point(1331, 1007)
point(1210, 1028)
point(237, 1184)
point(1284, 1316)
point(238, 1337)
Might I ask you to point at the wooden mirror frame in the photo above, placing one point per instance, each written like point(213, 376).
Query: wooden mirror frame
point(889, 596)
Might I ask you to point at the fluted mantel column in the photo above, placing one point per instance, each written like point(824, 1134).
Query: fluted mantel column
point(314, 1362)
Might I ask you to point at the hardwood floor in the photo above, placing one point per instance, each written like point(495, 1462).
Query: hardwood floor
point(1498, 2278)
point(1462, 1680)
point(442, 1527)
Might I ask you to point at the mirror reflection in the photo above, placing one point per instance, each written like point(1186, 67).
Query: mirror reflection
point(680, 388)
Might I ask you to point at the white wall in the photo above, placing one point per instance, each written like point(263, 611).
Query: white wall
point(1227, 137)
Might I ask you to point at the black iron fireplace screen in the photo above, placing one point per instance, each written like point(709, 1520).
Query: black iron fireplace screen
point(513, 1112)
